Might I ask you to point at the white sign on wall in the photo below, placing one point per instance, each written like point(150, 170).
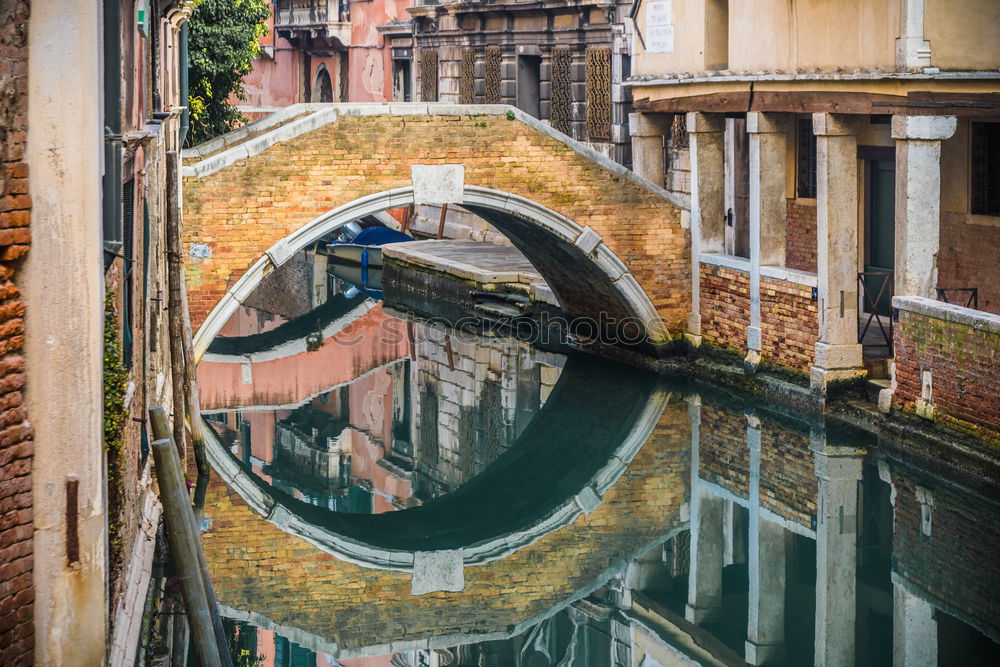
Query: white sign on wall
point(659, 26)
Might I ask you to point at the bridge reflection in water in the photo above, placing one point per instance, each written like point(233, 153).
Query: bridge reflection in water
point(391, 492)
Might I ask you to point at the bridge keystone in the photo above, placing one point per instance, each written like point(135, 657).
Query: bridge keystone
point(438, 183)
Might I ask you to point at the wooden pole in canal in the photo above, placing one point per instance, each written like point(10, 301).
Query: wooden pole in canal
point(176, 506)
point(193, 555)
point(174, 312)
point(444, 215)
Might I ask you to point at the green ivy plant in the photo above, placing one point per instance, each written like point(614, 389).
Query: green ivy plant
point(115, 380)
point(223, 42)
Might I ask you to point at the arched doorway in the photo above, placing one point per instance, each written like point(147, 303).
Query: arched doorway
point(322, 90)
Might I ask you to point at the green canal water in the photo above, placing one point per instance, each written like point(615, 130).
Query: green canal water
point(391, 491)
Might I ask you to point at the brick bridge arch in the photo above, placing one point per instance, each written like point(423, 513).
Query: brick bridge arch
point(606, 240)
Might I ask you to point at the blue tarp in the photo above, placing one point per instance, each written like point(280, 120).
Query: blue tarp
point(378, 236)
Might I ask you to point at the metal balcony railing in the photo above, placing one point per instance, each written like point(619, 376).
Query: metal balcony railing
point(311, 14)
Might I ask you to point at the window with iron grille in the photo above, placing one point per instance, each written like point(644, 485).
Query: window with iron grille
point(561, 110)
point(429, 75)
point(494, 58)
point(985, 152)
point(806, 160)
point(598, 93)
point(467, 92)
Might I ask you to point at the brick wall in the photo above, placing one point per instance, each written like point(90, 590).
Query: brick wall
point(240, 211)
point(955, 564)
point(16, 449)
point(725, 307)
point(964, 362)
point(800, 235)
point(723, 455)
point(789, 323)
point(787, 481)
point(788, 485)
point(968, 258)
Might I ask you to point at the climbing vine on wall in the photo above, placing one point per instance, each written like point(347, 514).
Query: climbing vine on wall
point(115, 379)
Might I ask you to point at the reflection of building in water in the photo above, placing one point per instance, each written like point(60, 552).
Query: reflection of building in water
point(802, 548)
point(473, 396)
point(380, 409)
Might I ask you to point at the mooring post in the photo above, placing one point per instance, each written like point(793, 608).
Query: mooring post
point(161, 425)
point(176, 507)
point(444, 214)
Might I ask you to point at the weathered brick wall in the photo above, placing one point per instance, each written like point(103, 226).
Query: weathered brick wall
point(968, 258)
point(257, 567)
point(787, 481)
point(240, 211)
point(723, 455)
point(16, 449)
point(800, 236)
point(965, 371)
point(725, 307)
point(788, 485)
point(789, 323)
point(956, 564)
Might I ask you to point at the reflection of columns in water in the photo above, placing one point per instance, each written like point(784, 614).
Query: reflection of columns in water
point(705, 570)
point(766, 611)
point(838, 470)
point(914, 628)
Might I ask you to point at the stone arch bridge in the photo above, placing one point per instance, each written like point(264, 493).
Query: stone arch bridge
point(606, 240)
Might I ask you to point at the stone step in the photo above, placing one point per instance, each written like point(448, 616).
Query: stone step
point(874, 386)
point(877, 367)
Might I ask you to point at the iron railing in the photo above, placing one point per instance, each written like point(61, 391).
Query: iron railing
point(871, 304)
point(971, 302)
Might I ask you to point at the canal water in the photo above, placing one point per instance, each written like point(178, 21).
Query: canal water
point(391, 491)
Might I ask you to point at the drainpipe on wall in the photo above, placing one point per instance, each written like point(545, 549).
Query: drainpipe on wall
point(112, 185)
point(186, 114)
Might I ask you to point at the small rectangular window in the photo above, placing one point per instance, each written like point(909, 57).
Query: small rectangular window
point(806, 160)
point(985, 154)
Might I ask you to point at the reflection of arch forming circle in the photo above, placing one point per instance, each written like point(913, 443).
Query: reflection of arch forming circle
point(574, 245)
point(597, 418)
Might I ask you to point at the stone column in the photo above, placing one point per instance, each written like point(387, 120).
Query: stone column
point(767, 212)
point(766, 611)
point(705, 569)
point(839, 471)
point(838, 353)
point(918, 201)
point(914, 628)
point(706, 145)
point(649, 132)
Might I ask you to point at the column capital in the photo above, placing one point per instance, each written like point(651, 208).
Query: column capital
point(833, 125)
point(648, 124)
point(759, 122)
point(698, 122)
point(925, 128)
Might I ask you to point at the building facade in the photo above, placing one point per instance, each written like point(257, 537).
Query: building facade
point(90, 132)
point(840, 172)
point(324, 51)
point(560, 62)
